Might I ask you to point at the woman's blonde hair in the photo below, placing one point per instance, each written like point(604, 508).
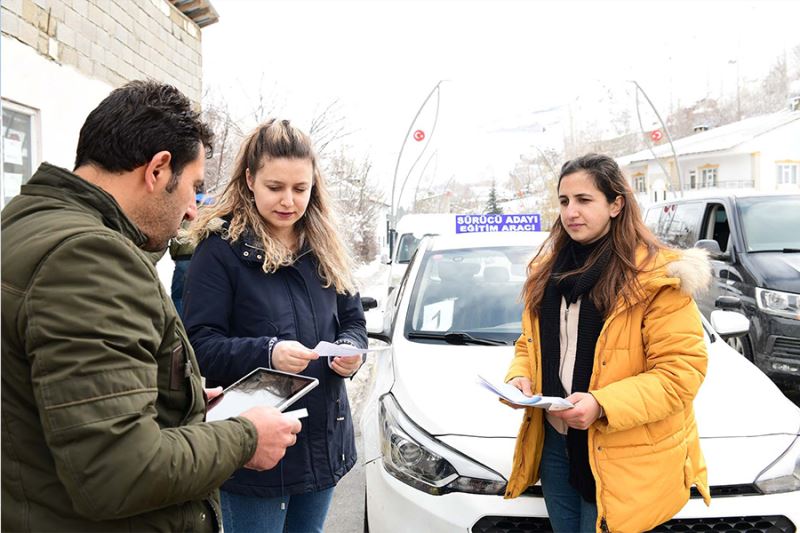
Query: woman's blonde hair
point(273, 140)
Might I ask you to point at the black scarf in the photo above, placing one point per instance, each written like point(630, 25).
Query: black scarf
point(572, 257)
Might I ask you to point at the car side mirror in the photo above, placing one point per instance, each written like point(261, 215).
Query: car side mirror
point(712, 247)
point(385, 259)
point(368, 302)
point(730, 324)
point(728, 303)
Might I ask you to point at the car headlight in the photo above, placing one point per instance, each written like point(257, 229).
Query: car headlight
point(418, 459)
point(779, 303)
point(783, 474)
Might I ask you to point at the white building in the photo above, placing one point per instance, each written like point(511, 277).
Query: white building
point(60, 58)
point(761, 153)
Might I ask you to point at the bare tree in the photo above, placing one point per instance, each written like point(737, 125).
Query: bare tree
point(536, 177)
point(327, 127)
point(227, 137)
point(358, 202)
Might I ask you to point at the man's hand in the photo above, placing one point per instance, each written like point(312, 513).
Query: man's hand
point(524, 385)
point(276, 432)
point(212, 393)
point(291, 356)
point(346, 365)
point(583, 415)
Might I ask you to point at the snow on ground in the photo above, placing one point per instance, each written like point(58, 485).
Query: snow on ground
point(372, 280)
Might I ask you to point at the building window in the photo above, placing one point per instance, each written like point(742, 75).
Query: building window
point(639, 184)
point(693, 179)
point(20, 126)
point(787, 173)
point(708, 177)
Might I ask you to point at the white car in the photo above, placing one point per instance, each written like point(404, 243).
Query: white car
point(438, 448)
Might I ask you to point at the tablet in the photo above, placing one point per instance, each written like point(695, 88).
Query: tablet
point(262, 386)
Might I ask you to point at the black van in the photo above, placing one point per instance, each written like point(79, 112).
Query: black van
point(754, 245)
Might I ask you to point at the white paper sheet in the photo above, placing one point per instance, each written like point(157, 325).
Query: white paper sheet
point(515, 396)
point(328, 349)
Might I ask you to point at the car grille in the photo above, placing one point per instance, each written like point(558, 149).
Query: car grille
point(721, 491)
point(512, 524)
point(734, 524)
point(787, 346)
point(717, 491)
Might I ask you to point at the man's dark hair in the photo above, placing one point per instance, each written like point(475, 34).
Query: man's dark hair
point(138, 120)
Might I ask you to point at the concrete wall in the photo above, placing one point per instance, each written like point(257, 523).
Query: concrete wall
point(61, 95)
point(782, 144)
point(60, 58)
point(112, 41)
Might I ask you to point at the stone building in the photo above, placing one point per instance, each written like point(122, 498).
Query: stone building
point(61, 57)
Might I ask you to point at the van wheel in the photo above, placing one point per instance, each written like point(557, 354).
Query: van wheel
point(743, 346)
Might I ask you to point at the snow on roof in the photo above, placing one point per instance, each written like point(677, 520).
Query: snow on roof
point(717, 139)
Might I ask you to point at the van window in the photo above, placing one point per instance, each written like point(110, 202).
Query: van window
point(717, 227)
point(407, 245)
point(770, 223)
point(651, 218)
point(682, 227)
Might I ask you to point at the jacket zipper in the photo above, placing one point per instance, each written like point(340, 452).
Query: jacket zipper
point(297, 329)
point(566, 344)
point(603, 525)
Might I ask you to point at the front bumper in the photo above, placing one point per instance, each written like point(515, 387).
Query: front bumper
point(777, 346)
point(394, 507)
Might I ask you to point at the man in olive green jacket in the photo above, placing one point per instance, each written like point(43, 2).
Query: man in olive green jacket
point(102, 402)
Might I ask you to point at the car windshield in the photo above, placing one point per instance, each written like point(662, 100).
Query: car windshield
point(474, 291)
point(771, 223)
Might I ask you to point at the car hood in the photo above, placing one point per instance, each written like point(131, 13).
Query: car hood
point(776, 270)
point(436, 386)
point(743, 419)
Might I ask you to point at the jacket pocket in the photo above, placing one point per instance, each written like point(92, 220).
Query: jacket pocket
point(662, 429)
point(342, 447)
point(177, 367)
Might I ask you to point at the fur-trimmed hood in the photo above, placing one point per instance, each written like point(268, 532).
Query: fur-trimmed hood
point(687, 270)
point(693, 269)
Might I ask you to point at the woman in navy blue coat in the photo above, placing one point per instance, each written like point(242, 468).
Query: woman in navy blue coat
point(270, 279)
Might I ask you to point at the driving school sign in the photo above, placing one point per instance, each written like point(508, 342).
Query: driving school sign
point(497, 223)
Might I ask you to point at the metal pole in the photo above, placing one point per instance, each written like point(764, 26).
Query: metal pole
point(393, 207)
point(422, 173)
point(427, 142)
point(666, 131)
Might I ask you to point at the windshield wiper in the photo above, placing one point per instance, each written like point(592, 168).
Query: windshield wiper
point(791, 250)
point(457, 337)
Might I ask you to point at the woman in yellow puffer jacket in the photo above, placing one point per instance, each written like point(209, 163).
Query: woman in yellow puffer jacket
point(610, 324)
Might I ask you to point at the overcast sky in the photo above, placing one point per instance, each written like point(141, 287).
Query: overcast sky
point(503, 61)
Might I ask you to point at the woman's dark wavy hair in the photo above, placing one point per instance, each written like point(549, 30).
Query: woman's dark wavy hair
point(138, 120)
point(627, 233)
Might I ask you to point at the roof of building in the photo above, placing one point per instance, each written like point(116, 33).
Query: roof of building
point(200, 11)
point(717, 139)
